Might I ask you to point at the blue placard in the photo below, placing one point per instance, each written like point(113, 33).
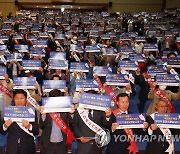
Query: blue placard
point(92, 49)
point(58, 55)
point(125, 38)
point(105, 36)
point(82, 38)
point(51, 30)
point(32, 37)
point(153, 71)
point(112, 34)
point(57, 104)
point(132, 34)
point(159, 36)
point(140, 39)
point(109, 51)
point(105, 14)
point(68, 34)
point(137, 57)
point(24, 82)
point(77, 48)
point(3, 47)
point(59, 36)
point(79, 67)
point(22, 27)
point(4, 37)
point(77, 29)
point(6, 27)
point(167, 120)
point(31, 64)
point(102, 70)
point(168, 80)
point(21, 48)
point(58, 64)
point(18, 113)
point(174, 62)
point(87, 84)
point(130, 120)
point(128, 64)
point(178, 39)
point(150, 47)
point(3, 71)
point(161, 62)
point(17, 36)
point(109, 27)
point(93, 34)
point(37, 52)
point(117, 79)
point(127, 50)
point(43, 34)
point(40, 43)
point(54, 84)
point(169, 33)
point(35, 29)
point(15, 56)
point(95, 101)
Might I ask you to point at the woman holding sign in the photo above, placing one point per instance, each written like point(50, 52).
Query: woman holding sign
point(20, 133)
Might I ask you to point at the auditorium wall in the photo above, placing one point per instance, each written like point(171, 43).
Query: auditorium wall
point(129, 5)
point(173, 4)
point(7, 6)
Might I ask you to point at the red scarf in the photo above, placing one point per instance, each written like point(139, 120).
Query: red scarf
point(62, 126)
point(111, 93)
point(133, 147)
point(5, 90)
point(108, 90)
point(16, 41)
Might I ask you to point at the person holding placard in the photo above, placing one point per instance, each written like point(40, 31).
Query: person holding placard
point(157, 145)
point(6, 90)
point(156, 93)
point(55, 136)
point(84, 128)
point(20, 138)
point(127, 144)
point(14, 66)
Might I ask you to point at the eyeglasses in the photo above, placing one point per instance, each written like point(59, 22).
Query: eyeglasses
point(163, 106)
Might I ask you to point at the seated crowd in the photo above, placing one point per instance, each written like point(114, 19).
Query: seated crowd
point(68, 57)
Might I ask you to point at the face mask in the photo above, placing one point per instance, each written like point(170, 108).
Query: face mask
point(162, 87)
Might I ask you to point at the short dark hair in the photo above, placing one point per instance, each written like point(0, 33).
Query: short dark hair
point(19, 91)
point(92, 92)
point(171, 53)
point(122, 95)
point(56, 76)
point(55, 93)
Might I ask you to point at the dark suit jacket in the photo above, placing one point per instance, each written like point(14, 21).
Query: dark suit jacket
point(155, 146)
point(81, 129)
point(46, 126)
point(15, 133)
point(116, 146)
